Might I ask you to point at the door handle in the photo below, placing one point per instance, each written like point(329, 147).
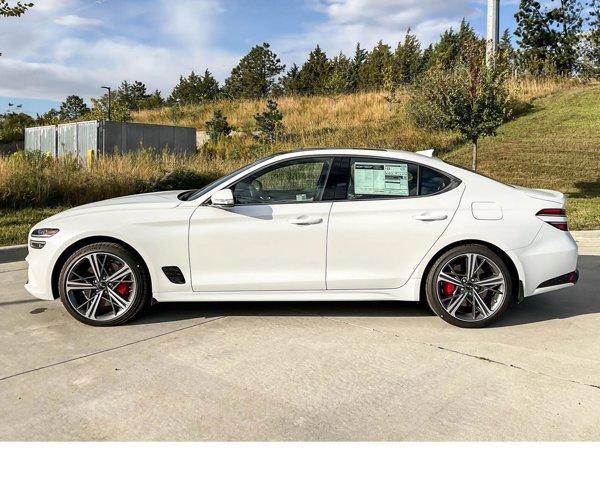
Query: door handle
point(430, 217)
point(305, 220)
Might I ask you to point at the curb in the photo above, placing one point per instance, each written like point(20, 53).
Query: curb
point(13, 253)
point(17, 253)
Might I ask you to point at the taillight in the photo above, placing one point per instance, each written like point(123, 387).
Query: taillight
point(557, 217)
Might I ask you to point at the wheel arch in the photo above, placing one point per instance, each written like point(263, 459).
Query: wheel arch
point(510, 263)
point(82, 242)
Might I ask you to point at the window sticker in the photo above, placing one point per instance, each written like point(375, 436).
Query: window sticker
point(381, 179)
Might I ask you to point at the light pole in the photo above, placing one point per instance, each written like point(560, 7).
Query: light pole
point(108, 88)
point(493, 30)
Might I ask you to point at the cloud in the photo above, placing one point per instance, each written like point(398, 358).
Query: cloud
point(155, 44)
point(77, 21)
point(368, 21)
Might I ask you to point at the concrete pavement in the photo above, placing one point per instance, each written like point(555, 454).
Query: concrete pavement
point(309, 371)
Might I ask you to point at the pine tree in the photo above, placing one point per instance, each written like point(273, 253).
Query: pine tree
point(195, 89)
point(51, 117)
point(453, 46)
point(506, 53)
point(290, 83)
point(535, 37)
point(408, 59)
point(73, 108)
point(590, 48)
point(567, 19)
point(218, 127)
point(358, 61)
point(372, 72)
point(340, 75)
point(314, 74)
point(132, 95)
point(269, 122)
point(255, 76)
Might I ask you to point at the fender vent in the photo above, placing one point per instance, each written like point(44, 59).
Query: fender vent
point(174, 274)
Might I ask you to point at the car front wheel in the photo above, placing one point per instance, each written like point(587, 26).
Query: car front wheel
point(469, 286)
point(103, 284)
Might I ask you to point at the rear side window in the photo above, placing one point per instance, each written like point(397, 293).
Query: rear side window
point(375, 178)
point(432, 181)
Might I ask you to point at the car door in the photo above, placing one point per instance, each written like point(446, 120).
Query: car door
point(393, 213)
point(273, 238)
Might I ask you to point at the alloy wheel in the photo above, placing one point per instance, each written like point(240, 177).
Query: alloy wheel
point(100, 286)
point(471, 287)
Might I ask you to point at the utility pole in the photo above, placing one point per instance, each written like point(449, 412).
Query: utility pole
point(493, 30)
point(108, 88)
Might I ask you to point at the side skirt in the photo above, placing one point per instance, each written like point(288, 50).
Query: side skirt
point(408, 292)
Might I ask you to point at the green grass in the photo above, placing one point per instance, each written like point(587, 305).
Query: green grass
point(555, 145)
point(15, 224)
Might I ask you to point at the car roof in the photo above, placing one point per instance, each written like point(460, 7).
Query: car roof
point(370, 152)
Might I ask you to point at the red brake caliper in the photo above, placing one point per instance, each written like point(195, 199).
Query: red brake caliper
point(448, 288)
point(123, 289)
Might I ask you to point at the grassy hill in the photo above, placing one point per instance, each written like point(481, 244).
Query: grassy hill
point(554, 144)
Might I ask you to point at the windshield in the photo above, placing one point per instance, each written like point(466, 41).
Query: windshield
point(194, 194)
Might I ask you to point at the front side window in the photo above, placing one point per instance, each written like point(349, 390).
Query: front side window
point(300, 180)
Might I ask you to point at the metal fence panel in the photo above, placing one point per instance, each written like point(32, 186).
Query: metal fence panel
point(42, 139)
point(87, 141)
point(128, 137)
point(67, 140)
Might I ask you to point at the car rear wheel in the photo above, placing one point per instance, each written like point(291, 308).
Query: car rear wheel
point(103, 284)
point(469, 286)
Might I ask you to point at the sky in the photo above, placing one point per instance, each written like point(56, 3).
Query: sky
point(63, 47)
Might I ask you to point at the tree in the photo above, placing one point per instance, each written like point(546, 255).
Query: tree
point(119, 111)
point(132, 95)
point(549, 37)
point(340, 76)
point(218, 127)
point(255, 76)
point(471, 99)
point(453, 46)
point(567, 20)
point(16, 10)
point(372, 71)
point(314, 74)
point(195, 89)
point(51, 117)
point(506, 53)
point(269, 122)
point(358, 61)
point(590, 48)
point(12, 126)
point(408, 59)
point(73, 108)
point(154, 100)
point(290, 83)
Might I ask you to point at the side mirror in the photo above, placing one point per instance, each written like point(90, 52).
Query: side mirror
point(222, 198)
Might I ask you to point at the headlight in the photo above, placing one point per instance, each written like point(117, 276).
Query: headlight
point(44, 232)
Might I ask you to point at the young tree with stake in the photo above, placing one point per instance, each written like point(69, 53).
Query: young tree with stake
point(471, 99)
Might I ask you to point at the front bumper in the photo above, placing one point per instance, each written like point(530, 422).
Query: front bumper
point(39, 273)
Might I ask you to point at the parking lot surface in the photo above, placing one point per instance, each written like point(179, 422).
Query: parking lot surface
point(302, 371)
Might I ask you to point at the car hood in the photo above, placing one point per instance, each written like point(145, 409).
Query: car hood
point(131, 202)
point(542, 194)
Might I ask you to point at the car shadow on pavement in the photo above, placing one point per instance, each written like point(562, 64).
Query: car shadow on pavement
point(584, 298)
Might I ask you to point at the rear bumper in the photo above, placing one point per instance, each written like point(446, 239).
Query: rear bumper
point(551, 256)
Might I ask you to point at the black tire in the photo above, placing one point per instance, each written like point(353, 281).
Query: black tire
point(142, 294)
point(433, 297)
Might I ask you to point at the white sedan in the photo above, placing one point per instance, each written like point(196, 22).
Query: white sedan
point(327, 224)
